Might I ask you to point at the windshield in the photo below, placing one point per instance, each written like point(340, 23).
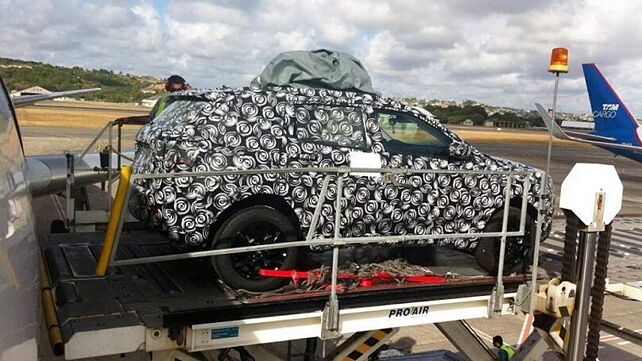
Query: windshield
point(179, 112)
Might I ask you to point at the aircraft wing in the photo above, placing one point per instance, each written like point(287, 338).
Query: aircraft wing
point(22, 100)
point(603, 142)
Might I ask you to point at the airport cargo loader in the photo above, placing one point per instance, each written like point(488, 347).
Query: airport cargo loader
point(180, 304)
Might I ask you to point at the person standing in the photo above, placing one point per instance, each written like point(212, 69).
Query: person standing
point(173, 84)
point(176, 83)
point(505, 352)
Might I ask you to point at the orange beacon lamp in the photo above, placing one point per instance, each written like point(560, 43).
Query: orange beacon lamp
point(559, 61)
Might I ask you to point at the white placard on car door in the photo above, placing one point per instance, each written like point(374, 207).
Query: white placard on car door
point(365, 160)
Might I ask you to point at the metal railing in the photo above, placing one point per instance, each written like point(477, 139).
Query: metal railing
point(330, 324)
point(109, 127)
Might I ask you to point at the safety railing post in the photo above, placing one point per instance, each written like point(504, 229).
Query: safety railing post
point(330, 316)
point(543, 193)
point(495, 305)
point(317, 210)
point(70, 201)
point(526, 187)
point(119, 146)
point(109, 167)
point(115, 225)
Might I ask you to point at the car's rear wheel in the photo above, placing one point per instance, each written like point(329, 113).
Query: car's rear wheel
point(255, 225)
point(519, 250)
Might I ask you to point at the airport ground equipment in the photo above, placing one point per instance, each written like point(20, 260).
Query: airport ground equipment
point(141, 318)
point(178, 305)
point(591, 195)
point(595, 201)
point(142, 303)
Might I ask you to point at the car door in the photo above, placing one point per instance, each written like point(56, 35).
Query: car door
point(423, 203)
point(330, 135)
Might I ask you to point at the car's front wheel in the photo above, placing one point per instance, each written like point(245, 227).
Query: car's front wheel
point(519, 250)
point(255, 225)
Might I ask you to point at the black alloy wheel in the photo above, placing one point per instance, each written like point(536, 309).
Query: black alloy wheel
point(255, 225)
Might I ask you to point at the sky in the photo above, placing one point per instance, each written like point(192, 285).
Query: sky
point(492, 51)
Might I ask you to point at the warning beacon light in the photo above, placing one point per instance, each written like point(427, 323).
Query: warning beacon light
point(559, 61)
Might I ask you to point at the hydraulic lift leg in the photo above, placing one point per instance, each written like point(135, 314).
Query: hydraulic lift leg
point(361, 345)
point(462, 336)
point(579, 319)
point(533, 348)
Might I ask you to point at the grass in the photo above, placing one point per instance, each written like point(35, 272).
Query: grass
point(94, 104)
point(69, 117)
point(482, 135)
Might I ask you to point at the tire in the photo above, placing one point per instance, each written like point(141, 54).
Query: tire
point(240, 271)
point(519, 250)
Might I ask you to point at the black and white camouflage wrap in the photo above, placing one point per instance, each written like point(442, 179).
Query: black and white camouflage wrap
point(293, 127)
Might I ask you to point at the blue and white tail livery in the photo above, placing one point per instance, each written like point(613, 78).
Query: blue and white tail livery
point(615, 129)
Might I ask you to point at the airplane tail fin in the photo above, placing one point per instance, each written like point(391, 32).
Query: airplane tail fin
point(611, 116)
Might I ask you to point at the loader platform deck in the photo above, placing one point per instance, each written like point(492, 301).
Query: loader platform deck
point(184, 293)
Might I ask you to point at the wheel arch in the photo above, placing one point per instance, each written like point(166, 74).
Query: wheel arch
point(517, 203)
point(271, 200)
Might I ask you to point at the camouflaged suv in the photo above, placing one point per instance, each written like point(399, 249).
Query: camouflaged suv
point(292, 127)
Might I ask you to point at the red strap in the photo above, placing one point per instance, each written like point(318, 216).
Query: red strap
point(364, 281)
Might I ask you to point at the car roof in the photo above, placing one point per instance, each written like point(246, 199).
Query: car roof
point(214, 94)
point(313, 95)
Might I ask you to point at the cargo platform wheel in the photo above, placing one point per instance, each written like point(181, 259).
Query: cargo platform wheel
point(255, 225)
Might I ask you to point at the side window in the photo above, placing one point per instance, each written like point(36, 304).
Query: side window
point(404, 133)
point(331, 125)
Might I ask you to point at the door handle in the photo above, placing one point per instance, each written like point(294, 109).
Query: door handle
point(390, 178)
point(307, 156)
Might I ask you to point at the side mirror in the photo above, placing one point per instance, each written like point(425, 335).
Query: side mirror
point(460, 150)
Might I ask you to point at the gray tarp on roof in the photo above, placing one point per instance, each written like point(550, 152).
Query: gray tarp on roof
point(316, 69)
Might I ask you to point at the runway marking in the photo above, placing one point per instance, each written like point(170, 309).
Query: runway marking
point(634, 232)
point(556, 241)
point(628, 237)
point(609, 337)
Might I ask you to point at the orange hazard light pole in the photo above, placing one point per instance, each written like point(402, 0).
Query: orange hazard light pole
point(557, 65)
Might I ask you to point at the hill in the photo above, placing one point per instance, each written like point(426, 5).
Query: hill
point(475, 113)
point(117, 87)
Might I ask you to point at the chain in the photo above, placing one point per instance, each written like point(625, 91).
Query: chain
point(597, 294)
point(570, 246)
